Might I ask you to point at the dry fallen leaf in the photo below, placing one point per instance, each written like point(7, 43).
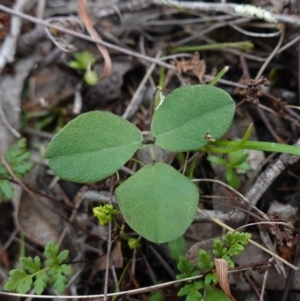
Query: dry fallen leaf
point(222, 274)
point(86, 19)
point(197, 66)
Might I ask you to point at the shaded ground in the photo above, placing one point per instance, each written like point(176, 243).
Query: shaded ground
point(40, 94)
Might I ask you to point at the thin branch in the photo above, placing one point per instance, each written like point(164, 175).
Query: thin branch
point(86, 37)
point(8, 49)
point(232, 9)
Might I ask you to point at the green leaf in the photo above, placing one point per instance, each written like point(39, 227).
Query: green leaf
point(62, 256)
point(211, 278)
point(184, 266)
point(158, 202)
point(218, 247)
point(84, 58)
point(6, 189)
point(205, 261)
point(216, 160)
point(156, 296)
point(22, 168)
point(23, 156)
point(59, 282)
point(18, 281)
point(76, 65)
point(133, 243)
point(51, 250)
point(213, 294)
point(40, 282)
point(30, 264)
point(192, 291)
point(177, 247)
point(3, 172)
point(92, 147)
point(188, 114)
point(232, 179)
point(66, 270)
point(237, 159)
point(243, 166)
point(90, 77)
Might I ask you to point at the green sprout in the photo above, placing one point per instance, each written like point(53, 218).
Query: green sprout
point(84, 61)
point(236, 161)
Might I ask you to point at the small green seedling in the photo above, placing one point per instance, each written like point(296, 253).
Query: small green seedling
point(232, 246)
point(33, 275)
point(84, 61)
point(236, 161)
point(17, 158)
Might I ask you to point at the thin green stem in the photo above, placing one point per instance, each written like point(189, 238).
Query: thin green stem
point(247, 45)
point(255, 145)
point(121, 278)
point(219, 75)
point(137, 161)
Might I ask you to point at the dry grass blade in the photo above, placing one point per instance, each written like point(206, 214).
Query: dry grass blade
point(222, 274)
point(86, 19)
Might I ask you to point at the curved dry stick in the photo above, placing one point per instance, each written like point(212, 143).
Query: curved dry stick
point(86, 19)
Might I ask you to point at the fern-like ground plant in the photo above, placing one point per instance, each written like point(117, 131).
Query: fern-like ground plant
point(17, 157)
point(233, 245)
point(35, 274)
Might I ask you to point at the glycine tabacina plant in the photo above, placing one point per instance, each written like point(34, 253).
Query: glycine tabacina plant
point(17, 157)
point(34, 274)
point(158, 202)
point(232, 246)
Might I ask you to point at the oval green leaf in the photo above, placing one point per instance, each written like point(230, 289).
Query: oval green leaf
point(92, 147)
point(158, 202)
point(191, 114)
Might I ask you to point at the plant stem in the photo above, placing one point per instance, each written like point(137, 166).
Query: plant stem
point(257, 145)
point(247, 45)
point(219, 75)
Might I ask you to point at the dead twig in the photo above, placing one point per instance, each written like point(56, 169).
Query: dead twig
point(8, 49)
point(87, 38)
